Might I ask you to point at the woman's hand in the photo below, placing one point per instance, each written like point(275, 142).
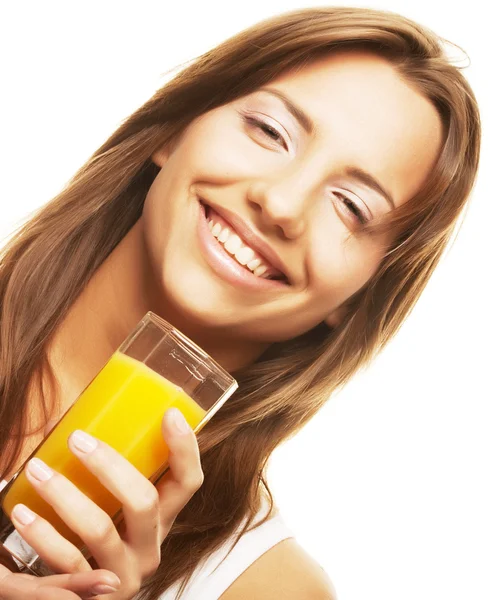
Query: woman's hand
point(148, 511)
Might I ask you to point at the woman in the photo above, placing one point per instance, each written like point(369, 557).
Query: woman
point(341, 146)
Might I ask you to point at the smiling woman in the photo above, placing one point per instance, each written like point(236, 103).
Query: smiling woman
point(291, 184)
point(283, 201)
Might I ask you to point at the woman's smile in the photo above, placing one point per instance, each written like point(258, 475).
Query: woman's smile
point(225, 257)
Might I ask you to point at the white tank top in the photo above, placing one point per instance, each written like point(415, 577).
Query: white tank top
point(211, 579)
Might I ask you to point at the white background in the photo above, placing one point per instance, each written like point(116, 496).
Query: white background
point(391, 487)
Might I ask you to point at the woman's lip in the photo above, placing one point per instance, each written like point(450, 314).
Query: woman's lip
point(227, 267)
point(247, 234)
point(271, 271)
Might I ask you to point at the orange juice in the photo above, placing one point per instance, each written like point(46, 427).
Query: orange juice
point(123, 406)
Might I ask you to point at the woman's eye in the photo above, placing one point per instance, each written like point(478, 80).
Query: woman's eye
point(268, 131)
point(275, 136)
point(353, 208)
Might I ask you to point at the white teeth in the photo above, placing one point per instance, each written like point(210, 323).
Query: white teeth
point(253, 264)
point(224, 235)
point(244, 255)
point(260, 270)
point(233, 244)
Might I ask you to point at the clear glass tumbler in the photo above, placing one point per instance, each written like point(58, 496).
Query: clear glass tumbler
point(155, 368)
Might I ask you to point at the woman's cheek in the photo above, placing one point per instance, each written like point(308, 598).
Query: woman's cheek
point(337, 267)
point(324, 264)
point(236, 156)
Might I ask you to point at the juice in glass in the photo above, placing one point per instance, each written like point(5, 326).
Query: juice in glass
point(125, 401)
point(155, 368)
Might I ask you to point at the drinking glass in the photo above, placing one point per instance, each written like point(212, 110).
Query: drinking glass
point(156, 367)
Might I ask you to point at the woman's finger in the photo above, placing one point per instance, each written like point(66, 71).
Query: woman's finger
point(20, 586)
point(15, 591)
point(144, 512)
point(57, 552)
point(80, 514)
point(139, 497)
point(185, 474)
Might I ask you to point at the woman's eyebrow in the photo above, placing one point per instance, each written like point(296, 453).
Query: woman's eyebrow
point(308, 125)
point(371, 182)
point(303, 119)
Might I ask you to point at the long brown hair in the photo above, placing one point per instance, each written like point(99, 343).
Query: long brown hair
point(48, 262)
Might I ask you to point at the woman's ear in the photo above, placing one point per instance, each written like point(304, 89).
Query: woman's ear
point(160, 156)
point(338, 314)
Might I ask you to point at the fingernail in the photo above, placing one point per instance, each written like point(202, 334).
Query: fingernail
point(22, 514)
point(82, 441)
point(102, 588)
point(179, 422)
point(39, 470)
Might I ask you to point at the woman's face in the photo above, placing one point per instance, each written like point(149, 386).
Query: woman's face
point(295, 185)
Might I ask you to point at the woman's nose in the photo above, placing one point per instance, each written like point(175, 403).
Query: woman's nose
point(285, 203)
point(282, 208)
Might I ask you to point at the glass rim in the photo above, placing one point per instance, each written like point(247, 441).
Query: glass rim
point(226, 381)
point(185, 342)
